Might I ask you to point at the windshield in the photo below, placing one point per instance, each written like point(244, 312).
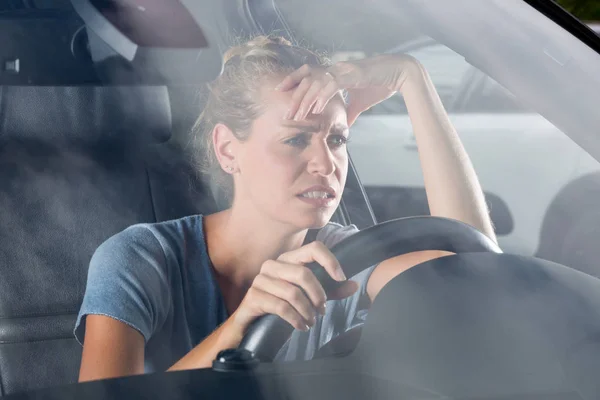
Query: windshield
point(113, 125)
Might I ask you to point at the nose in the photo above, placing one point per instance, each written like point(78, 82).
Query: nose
point(321, 160)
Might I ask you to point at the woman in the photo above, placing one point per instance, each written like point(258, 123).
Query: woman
point(171, 295)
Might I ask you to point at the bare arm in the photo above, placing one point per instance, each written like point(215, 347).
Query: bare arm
point(111, 349)
point(201, 356)
point(114, 349)
point(453, 190)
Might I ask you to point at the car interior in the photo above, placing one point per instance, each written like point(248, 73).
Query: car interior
point(95, 137)
point(84, 153)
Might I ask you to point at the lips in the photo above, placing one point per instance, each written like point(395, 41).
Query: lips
point(318, 191)
point(319, 196)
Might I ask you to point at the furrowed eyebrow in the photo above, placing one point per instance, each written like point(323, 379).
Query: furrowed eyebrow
point(304, 126)
point(336, 128)
point(339, 128)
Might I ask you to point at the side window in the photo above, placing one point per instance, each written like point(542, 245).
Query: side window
point(491, 97)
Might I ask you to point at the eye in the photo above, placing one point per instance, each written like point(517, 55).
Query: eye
point(338, 140)
point(301, 140)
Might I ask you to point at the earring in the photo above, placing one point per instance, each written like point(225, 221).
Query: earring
point(229, 168)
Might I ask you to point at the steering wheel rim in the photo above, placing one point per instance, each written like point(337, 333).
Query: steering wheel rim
point(268, 333)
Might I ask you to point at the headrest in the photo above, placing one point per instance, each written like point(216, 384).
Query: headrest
point(85, 114)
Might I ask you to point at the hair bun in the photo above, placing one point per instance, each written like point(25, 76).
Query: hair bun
point(257, 43)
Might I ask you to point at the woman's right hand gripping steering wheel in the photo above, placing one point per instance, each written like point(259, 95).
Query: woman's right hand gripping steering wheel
point(287, 288)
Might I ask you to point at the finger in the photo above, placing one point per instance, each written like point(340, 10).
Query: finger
point(294, 78)
point(316, 251)
point(290, 293)
point(327, 93)
point(300, 276)
point(308, 100)
point(297, 97)
point(347, 289)
point(271, 304)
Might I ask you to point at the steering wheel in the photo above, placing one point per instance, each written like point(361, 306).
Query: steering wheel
point(267, 334)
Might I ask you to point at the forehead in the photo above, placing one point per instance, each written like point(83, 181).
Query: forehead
point(278, 103)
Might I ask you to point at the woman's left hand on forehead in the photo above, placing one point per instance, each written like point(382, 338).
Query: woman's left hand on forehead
point(368, 82)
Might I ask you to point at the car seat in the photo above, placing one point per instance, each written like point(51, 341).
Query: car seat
point(77, 165)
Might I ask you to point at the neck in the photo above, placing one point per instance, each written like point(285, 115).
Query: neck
point(240, 241)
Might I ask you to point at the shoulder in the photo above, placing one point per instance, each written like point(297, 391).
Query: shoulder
point(146, 239)
point(143, 252)
point(132, 258)
point(333, 233)
point(148, 252)
point(165, 232)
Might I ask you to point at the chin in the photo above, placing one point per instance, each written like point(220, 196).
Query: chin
point(301, 217)
point(314, 220)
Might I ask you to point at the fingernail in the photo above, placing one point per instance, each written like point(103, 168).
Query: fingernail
point(306, 328)
point(313, 321)
point(297, 117)
point(278, 87)
point(288, 115)
point(340, 275)
point(322, 309)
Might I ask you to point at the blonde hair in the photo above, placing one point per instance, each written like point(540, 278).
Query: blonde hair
point(234, 97)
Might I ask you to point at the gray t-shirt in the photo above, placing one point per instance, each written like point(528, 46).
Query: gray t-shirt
point(158, 279)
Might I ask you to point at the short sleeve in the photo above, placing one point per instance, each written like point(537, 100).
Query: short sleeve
point(355, 307)
point(128, 281)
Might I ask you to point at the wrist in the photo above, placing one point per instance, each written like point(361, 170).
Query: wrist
point(409, 70)
point(232, 332)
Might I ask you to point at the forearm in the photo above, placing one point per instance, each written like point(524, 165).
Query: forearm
point(453, 190)
point(201, 356)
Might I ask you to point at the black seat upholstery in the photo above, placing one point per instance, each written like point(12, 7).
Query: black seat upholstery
point(77, 165)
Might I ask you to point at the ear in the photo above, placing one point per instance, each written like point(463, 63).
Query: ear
point(224, 142)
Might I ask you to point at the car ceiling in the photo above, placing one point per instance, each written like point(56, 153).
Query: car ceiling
point(367, 25)
point(348, 25)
